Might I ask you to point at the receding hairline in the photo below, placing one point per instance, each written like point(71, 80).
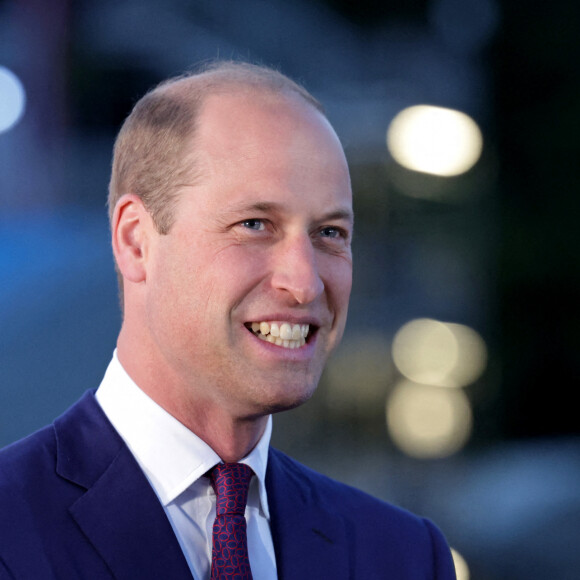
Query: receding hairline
point(223, 76)
point(184, 96)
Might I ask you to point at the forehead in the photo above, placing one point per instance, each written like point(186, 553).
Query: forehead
point(229, 122)
point(255, 136)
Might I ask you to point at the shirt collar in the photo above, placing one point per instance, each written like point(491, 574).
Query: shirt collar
point(171, 456)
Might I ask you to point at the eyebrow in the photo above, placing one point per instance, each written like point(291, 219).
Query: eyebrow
point(266, 206)
point(340, 214)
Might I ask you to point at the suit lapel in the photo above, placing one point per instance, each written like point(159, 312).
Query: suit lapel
point(309, 539)
point(119, 513)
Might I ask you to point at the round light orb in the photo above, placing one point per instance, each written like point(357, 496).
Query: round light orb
point(472, 355)
point(12, 99)
point(428, 422)
point(438, 353)
point(425, 351)
point(435, 140)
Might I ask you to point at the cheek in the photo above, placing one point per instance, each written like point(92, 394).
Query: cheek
point(238, 269)
point(338, 283)
point(173, 292)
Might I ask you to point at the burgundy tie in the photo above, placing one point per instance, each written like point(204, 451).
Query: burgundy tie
point(230, 543)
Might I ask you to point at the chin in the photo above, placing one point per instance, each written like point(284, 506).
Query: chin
point(288, 398)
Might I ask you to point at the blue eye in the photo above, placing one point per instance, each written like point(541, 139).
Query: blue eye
point(331, 232)
point(253, 224)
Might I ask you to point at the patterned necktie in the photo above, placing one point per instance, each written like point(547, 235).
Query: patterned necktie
point(230, 543)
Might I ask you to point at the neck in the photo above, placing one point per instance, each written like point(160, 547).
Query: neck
point(230, 437)
point(231, 442)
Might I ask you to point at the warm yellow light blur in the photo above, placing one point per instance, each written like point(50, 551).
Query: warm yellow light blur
point(435, 140)
point(425, 351)
point(461, 567)
point(428, 422)
point(436, 353)
point(472, 355)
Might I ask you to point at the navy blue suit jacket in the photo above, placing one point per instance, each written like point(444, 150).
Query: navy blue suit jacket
point(74, 504)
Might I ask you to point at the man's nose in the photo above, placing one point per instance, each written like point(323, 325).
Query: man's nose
point(295, 270)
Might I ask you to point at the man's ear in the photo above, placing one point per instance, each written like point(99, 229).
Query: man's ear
point(131, 228)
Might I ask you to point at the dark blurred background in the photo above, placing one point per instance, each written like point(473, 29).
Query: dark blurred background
point(452, 394)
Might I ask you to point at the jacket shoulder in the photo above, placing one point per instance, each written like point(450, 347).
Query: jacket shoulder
point(332, 493)
point(374, 526)
point(29, 513)
point(25, 460)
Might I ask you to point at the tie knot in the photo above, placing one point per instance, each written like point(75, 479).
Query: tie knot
point(230, 482)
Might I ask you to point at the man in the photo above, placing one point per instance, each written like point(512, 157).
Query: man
point(231, 220)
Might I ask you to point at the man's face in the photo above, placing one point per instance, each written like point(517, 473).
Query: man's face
point(260, 247)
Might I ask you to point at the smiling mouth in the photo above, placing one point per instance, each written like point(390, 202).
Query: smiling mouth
point(282, 334)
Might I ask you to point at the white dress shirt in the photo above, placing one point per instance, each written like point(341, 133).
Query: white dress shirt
point(174, 461)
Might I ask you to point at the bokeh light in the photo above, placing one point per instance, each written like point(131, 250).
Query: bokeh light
point(472, 355)
point(461, 567)
point(425, 351)
point(12, 99)
point(436, 353)
point(435, 140)
point(428, 422)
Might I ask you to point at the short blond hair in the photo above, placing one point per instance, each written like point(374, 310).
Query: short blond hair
point(150, 157)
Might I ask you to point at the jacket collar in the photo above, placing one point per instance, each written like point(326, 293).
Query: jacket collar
point(309, 538)
point(119, 512)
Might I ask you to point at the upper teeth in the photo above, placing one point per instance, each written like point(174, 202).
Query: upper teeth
point(284, 334)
